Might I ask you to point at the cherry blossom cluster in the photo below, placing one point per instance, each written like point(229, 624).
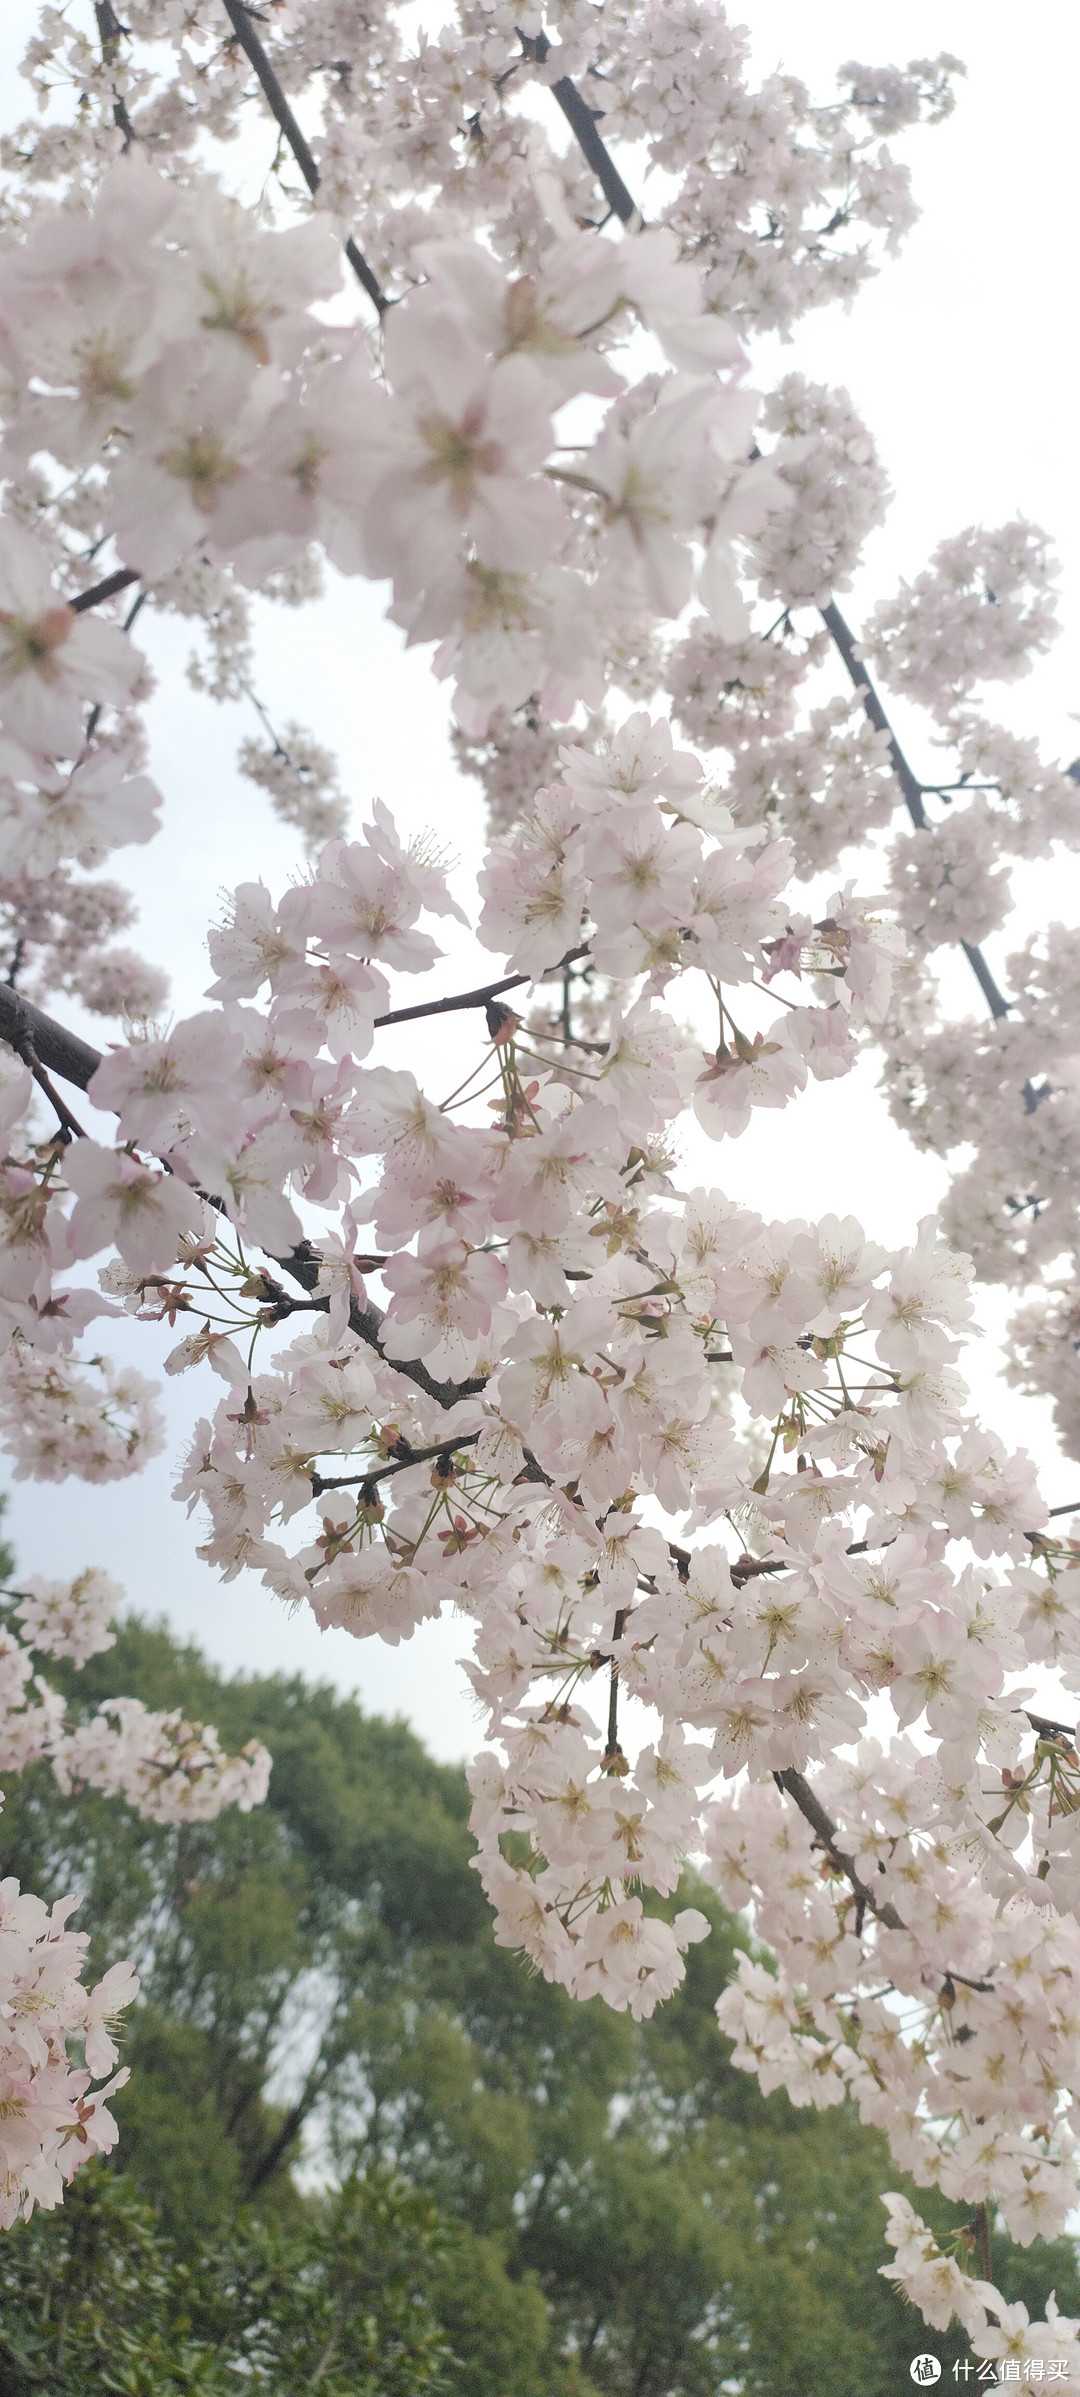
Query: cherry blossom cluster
point(663, 1453)
point(758, 1664)
point(976, 2043)
point(215, 410)
point(68, 1618)
point(980, 612)
point(788, 202)
point(1009, 1089)
point(93, 310)
point(170, 1770)
point(52, 2117)
point(628, 861)
point(935, 2280)
point(67, 798)
point(301, 777)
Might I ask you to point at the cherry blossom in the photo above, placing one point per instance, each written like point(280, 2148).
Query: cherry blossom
point(486, 1342)
point(57, 2035)
point(52, 662)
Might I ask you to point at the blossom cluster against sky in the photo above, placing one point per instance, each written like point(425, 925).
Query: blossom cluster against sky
point(961, 359)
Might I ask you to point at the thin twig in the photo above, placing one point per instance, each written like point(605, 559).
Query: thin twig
point(796, 1786)
point(613, 1748)
point(17, 1014)
point(473, 998)
point(402, 1464)
point(70, 1126)
point(841, 635)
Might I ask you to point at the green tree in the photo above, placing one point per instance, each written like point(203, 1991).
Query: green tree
point(96, 2297)
point(623, 2212)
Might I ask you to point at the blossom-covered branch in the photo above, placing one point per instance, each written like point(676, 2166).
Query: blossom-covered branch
point(241, 19)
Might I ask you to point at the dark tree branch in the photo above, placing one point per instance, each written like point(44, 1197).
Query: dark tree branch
point(402, 1464)
point(303, 1265)
point(841, 635)
point(240, 19)
point(1044, 1726)
point(54, 1046)
point(810, 1807)
point(998, 1004)
point(263, 2167)
point(22, 1041)
point(110, 35)
point(582, 122)
point(612, 1747)
point(472, 998)
point(106, 590)
point(796, 1786)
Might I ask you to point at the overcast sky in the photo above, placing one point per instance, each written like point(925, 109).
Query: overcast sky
point(962, 357)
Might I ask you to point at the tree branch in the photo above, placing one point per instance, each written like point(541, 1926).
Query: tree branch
point(70, 1127)
point(240, 19)
point(21, 1040)
point(841, 635)
point(263, 2167)
point(582, 122)
point(54, 1046)
point(473, 998)
point(106, 590)
point(110, 33)
point(796, 1786)
point(1045, 1727)
point(77, 1062)
point(416, 1456)
point(304, 1265)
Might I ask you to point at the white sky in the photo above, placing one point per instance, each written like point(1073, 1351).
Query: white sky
point(963, 359)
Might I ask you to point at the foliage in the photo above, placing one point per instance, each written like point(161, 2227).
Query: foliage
point(96, 2296)
point(599, 2204)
